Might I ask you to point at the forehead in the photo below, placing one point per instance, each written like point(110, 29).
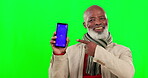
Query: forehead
point(95, 13)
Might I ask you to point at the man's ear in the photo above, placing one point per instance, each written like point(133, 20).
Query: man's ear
point(84, 24)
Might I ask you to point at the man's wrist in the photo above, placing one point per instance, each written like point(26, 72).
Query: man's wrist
point(58, 53)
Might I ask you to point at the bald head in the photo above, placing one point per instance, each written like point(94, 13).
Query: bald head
point(91, 9)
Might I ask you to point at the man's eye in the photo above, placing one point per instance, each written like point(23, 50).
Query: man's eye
point(91, 20)
point(102, 18)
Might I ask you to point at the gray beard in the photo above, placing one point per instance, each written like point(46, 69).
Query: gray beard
point(97, 36)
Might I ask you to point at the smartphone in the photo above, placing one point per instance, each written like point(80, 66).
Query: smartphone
point(61, 33)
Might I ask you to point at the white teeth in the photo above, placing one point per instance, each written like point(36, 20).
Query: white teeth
point(99, 28)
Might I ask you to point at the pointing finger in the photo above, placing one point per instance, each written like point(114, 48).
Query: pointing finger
point(83, 41)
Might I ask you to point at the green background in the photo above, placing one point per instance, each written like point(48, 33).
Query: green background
point(26, 27)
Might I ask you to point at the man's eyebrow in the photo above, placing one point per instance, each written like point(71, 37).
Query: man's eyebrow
point(92, 17)
point(95, 17)
point(101, 16)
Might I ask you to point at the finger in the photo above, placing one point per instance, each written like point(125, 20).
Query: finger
point(53, 46)
point(52, 42)
point(53, 38)
point(54, 34)
point(83, 41)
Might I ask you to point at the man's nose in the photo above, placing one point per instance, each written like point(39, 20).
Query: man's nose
point(98, 22)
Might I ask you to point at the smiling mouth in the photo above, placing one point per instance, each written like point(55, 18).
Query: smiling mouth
point(99, 29)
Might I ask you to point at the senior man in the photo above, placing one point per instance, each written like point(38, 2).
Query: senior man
point(96, 56)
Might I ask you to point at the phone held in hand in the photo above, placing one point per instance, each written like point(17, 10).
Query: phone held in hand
point(61, 33)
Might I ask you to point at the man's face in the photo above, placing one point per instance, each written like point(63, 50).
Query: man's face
point(96, 20)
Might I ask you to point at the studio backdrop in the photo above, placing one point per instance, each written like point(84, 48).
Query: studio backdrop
point(26, 27)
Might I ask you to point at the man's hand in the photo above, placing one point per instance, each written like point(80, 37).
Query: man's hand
point(58, 50)
point(90, 47)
